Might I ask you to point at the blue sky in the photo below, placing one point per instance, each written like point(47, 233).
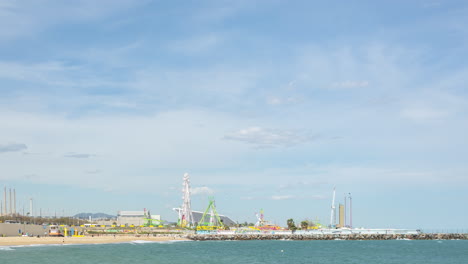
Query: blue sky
point(104, 105)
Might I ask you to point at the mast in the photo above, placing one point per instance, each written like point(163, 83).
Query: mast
point(345, 208)
point(350, 211)
point(332, 214)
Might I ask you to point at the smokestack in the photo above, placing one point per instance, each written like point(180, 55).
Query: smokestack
point(11, 209)
point(14, 201)
point(30, 207)
point(4, 201)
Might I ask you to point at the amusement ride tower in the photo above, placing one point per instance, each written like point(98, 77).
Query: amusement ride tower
point(185, 214)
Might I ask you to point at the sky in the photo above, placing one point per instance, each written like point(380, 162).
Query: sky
point(104, 105)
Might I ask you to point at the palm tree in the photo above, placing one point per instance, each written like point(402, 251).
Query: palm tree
point(291, 224)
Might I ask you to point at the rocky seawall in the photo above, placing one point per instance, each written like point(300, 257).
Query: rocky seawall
point(204, 237)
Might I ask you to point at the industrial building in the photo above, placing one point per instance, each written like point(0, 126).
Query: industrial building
point(136, 218)
point(341, 216)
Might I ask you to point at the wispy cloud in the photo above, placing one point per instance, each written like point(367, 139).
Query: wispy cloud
point(282, 197)
point(350, 84)
point(78, 155)
point(423, 113)
point(269, 138)
point(32, 72)
point(93, 171)
point(197, 44)
point(202, 190)
point(22, 18)
point(301, 184)
point(277, 100)
point(12, 147)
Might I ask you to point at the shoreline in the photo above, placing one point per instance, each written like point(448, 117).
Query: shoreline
point(30, 241)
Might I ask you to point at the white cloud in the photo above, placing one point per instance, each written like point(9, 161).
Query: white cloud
point(275, 100)
point(319, 197)
point(423, 113)
point(282, 197)
point(202, 190)
point(267, 138)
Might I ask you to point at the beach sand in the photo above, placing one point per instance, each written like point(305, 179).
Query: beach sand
point(17, 241)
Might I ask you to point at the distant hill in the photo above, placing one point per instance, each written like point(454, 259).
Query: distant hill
point(93, 216)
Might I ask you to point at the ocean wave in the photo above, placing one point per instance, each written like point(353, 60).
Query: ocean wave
point(157, 242)
point(141, 242)
point(6, 248)
point(35, 245)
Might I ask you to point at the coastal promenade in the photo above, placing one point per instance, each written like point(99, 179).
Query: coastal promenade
point(109, 239)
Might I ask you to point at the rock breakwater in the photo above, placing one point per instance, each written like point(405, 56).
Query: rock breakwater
point(423, 236)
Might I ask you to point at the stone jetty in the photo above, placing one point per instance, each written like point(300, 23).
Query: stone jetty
point(422, 236)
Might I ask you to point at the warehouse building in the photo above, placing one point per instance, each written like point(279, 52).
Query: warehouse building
point(135, 218)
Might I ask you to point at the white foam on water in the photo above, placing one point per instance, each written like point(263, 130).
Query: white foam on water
point(157, 242)
point(141, 242)
point(6, 248)
point(173, 241)
point(36, 245)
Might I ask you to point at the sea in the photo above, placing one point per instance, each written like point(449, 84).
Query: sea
point(236, 252)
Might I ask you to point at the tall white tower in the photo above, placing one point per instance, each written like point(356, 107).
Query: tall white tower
point(185, 214)
point(14, 201)
point(5, 211)
point(332, 215)
point(11, 204)
point(31, 214)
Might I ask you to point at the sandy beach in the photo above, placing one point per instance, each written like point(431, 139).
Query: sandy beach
point(16, 241)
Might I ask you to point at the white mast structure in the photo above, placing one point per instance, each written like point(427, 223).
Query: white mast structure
point(14, 201)
point(11, 204)
point(185, 214)
point(350, 211)
point(332, 215)
point(5, 211)
point(31, 208)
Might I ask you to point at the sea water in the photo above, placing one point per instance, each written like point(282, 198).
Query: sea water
point(234, 252)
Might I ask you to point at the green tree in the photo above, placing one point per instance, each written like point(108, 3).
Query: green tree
point(291, 225)
point(304, 225)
